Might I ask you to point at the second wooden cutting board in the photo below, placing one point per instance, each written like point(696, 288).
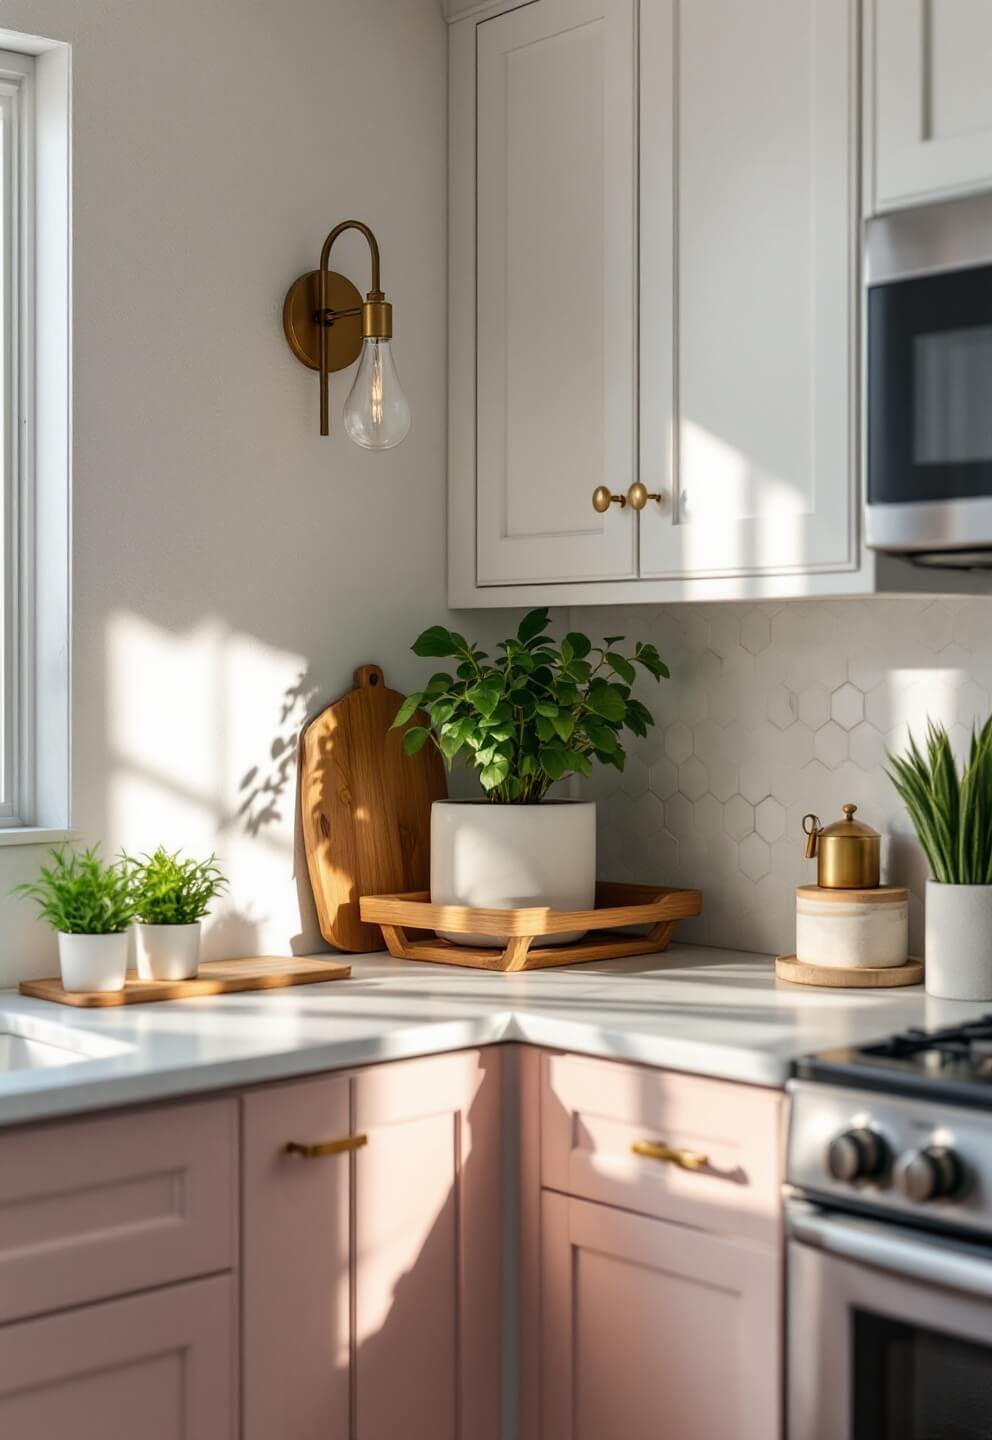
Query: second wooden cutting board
point(366, 809)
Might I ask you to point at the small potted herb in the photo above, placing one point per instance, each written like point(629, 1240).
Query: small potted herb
point(90, 904)
point(172, 895)
point(951, 811)
point(534, 715)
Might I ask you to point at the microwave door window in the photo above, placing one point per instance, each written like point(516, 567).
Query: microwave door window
point(930, 388)
point(911, 1383)
point(952, 409)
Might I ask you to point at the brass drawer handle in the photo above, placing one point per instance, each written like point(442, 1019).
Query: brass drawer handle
point(329, 1147)
point(658, 1150)
point(602, 499)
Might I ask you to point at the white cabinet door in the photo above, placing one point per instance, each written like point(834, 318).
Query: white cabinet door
point(765, 241)
point(933, 99)
point(556, 290)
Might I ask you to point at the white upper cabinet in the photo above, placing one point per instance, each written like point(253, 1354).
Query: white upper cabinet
point(557, 294)
point(932, 83)
point(764, 239)
point(655, 277)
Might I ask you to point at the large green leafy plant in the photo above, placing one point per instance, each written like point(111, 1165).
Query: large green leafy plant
point(536, 713)
point(79, 894)
point(172, 891)
point(951, 811)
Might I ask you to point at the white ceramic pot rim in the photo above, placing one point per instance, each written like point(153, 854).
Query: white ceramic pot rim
point(515, 804)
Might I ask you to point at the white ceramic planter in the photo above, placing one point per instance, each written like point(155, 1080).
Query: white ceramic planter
point(93, 962)
point(507, 856)
point(959, 941)
point(168, 952)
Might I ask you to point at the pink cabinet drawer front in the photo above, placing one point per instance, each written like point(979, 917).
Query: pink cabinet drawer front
point(595, 1112)
point(95, 1208)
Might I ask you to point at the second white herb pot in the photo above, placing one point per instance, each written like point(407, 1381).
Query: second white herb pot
point(958, 953)
point(500, 857)
point(92, 962)
point(168, 952)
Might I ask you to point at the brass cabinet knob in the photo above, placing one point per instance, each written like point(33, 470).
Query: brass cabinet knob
point(602, 499)
point(638, 495)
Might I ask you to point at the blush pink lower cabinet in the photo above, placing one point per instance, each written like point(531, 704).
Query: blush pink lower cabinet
point(660, 1256)
point(157, 1366)
point(371, 1276)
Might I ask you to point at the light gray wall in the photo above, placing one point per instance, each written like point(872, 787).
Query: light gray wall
point(230, 567)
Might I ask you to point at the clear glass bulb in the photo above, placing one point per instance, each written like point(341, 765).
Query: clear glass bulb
point(376, 413)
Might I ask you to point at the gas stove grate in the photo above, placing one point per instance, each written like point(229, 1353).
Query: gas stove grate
point(969, 1041)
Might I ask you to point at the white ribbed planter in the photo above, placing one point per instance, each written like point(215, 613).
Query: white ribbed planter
point(503, 857)
point(168, 952)
point(93, 962)
point(959, 941)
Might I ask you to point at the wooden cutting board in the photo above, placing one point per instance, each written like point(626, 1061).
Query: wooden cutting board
point(366, 809)
point(215, 977)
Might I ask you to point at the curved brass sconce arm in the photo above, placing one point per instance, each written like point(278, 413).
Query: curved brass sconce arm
point(322, 312)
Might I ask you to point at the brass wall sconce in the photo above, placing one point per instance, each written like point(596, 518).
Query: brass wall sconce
point(329, 327)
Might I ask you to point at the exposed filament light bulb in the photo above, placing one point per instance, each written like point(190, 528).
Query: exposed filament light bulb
point(376, 413)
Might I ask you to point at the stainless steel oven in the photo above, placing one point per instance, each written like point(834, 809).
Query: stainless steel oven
point(929, 384)
point(890, 1331)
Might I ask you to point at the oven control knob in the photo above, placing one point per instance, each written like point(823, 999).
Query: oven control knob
point(933, 1173)
point(856, 1155)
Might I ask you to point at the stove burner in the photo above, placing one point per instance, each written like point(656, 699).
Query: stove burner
point(970, 1041)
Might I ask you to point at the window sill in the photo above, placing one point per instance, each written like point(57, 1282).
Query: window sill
point(32, 835)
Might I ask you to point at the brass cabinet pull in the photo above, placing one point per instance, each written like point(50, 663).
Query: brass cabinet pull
point(603, 498)
point(658, 1150)
point(329, 1147)
point(638, 496)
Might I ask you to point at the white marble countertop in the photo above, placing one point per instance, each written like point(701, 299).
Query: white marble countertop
point(711, 1012)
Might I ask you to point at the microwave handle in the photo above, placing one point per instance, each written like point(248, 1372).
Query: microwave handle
point(901, 1252)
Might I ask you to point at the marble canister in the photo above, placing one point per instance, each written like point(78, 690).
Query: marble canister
point(852, 928)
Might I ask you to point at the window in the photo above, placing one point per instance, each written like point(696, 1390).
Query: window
point(17, 608)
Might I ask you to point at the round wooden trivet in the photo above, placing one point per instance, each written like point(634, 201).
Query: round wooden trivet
point(862, 977)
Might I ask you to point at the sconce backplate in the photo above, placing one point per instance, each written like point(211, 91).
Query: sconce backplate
point(344, 337)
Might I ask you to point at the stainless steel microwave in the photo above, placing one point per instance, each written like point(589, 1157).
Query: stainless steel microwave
point(929, 384)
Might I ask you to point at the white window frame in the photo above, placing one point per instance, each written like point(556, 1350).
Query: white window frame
point(17, 308)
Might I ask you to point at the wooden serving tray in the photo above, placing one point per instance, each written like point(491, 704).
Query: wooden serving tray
point(849, 977)
point(616, 906)
point(216, 977)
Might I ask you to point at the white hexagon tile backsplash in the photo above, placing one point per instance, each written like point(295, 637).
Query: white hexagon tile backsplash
point(774, 710)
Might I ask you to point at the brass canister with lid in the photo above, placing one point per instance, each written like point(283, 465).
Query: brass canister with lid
point(847, 853)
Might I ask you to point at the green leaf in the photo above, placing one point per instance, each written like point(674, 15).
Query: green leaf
point(533, 624)
point(607, 700)
point(494, 773)
point(564, 725)
point(609, 640)
point(441, 711)
point(544, 727)
point(544, 707)
point(435, 641)
point(581, 645)
point(415, 739)
point(408, 707)
point(485, 696)
point(621, 667)
point(554, 762)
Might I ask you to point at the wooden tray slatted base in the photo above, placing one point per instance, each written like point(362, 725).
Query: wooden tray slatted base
point(617, 906)
point(216, 977)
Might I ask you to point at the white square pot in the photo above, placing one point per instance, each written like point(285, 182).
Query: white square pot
point(92, 962)
point(168, 952)
point(959, 941)
point(502, 857)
